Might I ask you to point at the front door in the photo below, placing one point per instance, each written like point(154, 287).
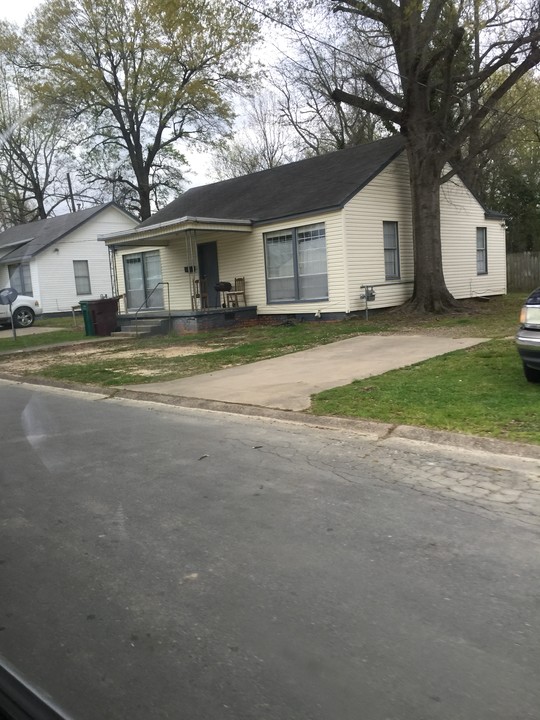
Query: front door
point(143, 272)
point(208, 270)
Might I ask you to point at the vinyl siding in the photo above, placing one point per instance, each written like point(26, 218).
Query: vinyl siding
point(461, 214)
point(385, 198)
point(242, 255)
point(53, 277)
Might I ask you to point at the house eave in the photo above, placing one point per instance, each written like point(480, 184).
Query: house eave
point(162, 233)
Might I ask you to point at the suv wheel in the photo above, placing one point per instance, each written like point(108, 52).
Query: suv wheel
point(532, 374)
point(23, 317)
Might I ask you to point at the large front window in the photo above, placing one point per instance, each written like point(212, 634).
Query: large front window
point(20, 278)
point(296, 264)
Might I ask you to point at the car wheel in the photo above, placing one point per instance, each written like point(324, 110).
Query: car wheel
point(532, 374)
point(23, 317)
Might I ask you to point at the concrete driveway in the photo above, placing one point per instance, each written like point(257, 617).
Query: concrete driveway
point(288, 382)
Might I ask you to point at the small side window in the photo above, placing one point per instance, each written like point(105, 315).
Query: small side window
point(20, 278)
point(82, 277)
point(481, 251)
point(391, 250)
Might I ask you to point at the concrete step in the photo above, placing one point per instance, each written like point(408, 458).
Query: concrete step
point(131, 333)
point(141, 322)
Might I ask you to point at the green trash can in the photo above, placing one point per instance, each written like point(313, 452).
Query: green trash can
point(89, 328)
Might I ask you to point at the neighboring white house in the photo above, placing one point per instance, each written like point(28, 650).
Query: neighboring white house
point(307, 236)
point(59, 261)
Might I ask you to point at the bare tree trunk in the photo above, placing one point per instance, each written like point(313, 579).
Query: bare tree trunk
point(430, 293)
point(143, 191)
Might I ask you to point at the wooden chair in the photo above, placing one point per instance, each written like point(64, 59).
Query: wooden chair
point(234, 296)
point(200, 294)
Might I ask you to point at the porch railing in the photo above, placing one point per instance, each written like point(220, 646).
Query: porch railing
point(152, 291)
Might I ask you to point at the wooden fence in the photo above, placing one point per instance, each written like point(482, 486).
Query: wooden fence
point(523, 271)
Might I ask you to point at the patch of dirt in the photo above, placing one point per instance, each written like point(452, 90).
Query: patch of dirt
point(29, 363)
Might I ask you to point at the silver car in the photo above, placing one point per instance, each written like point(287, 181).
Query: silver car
point(528, 337)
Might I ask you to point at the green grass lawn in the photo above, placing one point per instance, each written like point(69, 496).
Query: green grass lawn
point(63, 331)
point(480, 391)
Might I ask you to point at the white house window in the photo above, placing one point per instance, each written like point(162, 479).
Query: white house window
point(296, 264)
point(481, 251)
point(391, 250)
point(143, 275)
point(20, 278)
point(82, 277)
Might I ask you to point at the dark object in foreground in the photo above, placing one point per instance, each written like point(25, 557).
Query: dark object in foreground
point(20, 701)
point(528, 337)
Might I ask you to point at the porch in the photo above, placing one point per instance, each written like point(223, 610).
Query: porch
point(179, 322)
point(181, 276)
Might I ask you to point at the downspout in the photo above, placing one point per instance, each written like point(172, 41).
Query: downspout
point(113, 270)
point(344, 246)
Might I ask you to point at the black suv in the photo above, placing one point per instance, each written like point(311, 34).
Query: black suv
point(528, 337)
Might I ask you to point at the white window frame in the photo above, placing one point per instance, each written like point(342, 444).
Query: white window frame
point(82, 279)
point(481, 251)
point(392, 269)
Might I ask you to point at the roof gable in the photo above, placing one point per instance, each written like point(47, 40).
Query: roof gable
point(29, 239)
point(315, 184)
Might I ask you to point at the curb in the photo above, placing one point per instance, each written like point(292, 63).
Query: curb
point(376, 430)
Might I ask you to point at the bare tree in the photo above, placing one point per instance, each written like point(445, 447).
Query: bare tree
point(445, 96)
point(305, 80)
point(33, 147)
point(261, 140)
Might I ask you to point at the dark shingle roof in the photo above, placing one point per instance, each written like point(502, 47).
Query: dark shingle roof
point(31, 238)
point(316, 184)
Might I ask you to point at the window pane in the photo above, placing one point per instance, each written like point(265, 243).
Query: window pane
point(279, 256)
point(152, 273)
point(280, 267)
point(313, 287)
point(391, 250)
point(82, 277)
point(281, 289)
point(311, 252)
point(20, 278)
point(481, 250)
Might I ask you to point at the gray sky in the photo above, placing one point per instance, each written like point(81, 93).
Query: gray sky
point(17, 10)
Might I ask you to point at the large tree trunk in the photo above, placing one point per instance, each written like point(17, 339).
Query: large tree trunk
point(430, 293)
point(144, 199)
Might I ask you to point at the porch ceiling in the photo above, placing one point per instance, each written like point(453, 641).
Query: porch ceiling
point(162, 234)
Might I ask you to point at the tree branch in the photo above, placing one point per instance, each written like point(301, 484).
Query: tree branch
point(370, 106)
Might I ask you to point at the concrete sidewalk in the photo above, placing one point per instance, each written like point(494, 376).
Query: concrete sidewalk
point(288, 382)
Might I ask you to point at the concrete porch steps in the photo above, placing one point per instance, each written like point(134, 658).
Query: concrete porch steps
point(144, 327)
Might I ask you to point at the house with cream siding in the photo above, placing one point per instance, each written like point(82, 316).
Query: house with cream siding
point(59, 261)
point(307, 238)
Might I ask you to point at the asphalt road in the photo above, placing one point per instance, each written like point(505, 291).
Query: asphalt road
point(165, 563)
